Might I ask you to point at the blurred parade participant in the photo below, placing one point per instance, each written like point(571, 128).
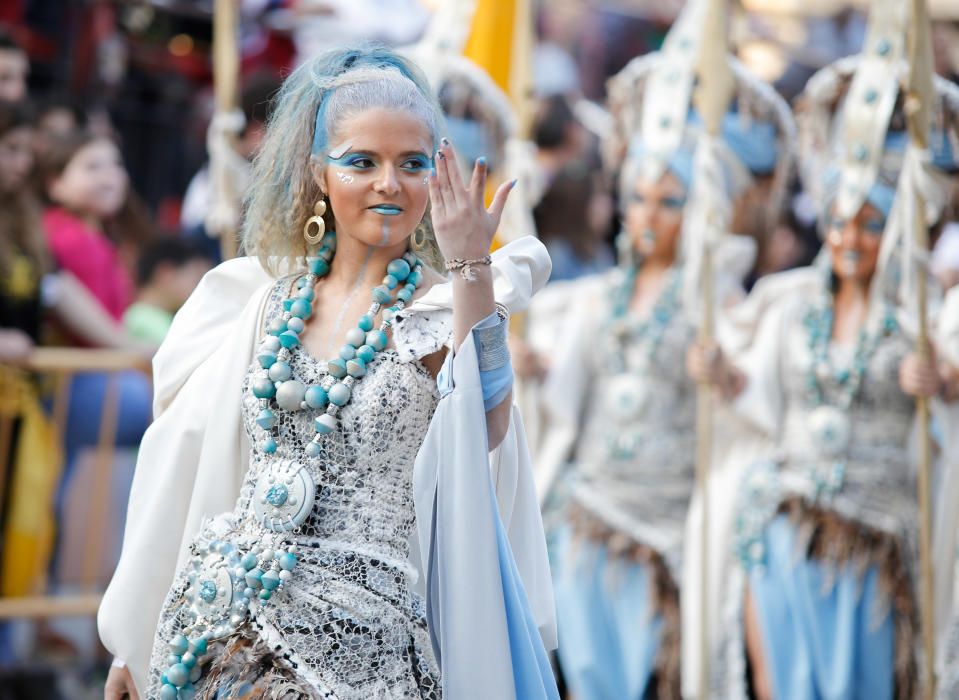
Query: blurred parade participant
point(945, 256)
point(823, 598)
point(56, 118)
point(620, 409)
point(258, 91)
point(14, 68)
point(340, 499)
point(168, 272)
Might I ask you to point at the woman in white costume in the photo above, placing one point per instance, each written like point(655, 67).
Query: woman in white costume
point(329, 529)
point(617, 458)
point(821, 600)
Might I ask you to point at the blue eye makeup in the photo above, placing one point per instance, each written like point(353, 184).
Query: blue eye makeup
point(417, 163)
point(674, 202)
point(356, 161)
point(874, 226)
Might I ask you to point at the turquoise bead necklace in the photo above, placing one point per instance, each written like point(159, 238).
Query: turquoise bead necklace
point(363, 342)
point(228, 580)
point(829, 422)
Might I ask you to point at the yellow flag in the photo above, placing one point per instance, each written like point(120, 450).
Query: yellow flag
point(501, 41)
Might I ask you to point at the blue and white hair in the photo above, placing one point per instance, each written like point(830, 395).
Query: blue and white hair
point(310, 107)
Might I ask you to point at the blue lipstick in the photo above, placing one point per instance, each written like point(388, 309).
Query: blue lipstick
point(387, 209)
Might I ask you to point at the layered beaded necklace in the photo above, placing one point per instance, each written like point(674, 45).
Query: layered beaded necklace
point(228, 580)
point(630, 392)
point(829, 423)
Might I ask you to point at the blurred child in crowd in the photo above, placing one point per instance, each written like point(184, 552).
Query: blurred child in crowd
point(168, 272)
point(14, 68)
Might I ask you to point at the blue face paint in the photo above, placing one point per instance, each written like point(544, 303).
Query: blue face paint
point(360, 160)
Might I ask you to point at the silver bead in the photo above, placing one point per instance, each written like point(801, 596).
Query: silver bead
point(271, 343)
point(289, 395)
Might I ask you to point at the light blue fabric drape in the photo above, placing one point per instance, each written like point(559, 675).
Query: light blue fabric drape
point(608, 637)
point(821, 636)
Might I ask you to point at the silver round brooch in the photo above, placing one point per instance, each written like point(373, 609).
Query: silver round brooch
point(284, 496)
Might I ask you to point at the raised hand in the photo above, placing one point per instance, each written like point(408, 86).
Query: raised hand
point(464, 227)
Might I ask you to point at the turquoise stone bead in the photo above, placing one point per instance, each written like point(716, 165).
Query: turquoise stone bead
point(404, 295)
point(316, 397)
point(265, 594)
point(356, 368)
point(312, 450)
point(366, 323)
point(336, 368)
point(400, 269)
point(287, 561)
point(366, 353)
point(377, 339)
point(326, 253)
point(208, 591)
point(416, 276)
point(168, 692)
point(329, 240)
point(189, 660)
point(289, 339)
point(318, 266)
point(356, 337)
point(271, 580)
point(277, 494)
point(268, 446)
point(325, 424)
point(247, 562)
point(179, 645)
point(266, 419)
point(280, 371)
point(263, 388)
point(173, 659)
point(382, 295)
point(390, 282)
point(340, 394)
point(198, 646)
point(296, 324)
point(253, 577)
point(307, 293)
point(347, 352)
point(277, 326)
point(301, 308)
point(287, 304)
point(187, 692)
point(266, 359)
point(178, 675)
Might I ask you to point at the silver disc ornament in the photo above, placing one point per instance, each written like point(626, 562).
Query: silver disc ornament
point(284, 496)
point(830, 430)
point(628, 395)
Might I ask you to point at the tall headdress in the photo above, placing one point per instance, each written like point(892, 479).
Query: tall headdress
point(657, 126)
point(855, 146)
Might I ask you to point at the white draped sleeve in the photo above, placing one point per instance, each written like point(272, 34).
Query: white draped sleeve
point(192, 458)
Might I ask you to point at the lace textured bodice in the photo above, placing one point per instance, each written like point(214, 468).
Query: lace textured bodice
point(635, 458)
point(348, 619)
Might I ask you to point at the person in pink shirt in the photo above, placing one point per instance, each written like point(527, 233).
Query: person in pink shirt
point(87, 185)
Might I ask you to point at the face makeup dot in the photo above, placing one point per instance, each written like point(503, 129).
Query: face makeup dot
point(344, 178)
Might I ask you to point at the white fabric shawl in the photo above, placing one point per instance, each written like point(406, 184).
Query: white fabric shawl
point(194, 456)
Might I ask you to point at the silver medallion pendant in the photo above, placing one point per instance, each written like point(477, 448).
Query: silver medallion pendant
point(628, 396)
point(830, 430)
point(284, 496)
point(215, 593)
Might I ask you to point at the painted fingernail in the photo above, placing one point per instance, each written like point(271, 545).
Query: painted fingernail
point(513, 183)
point(439, 154)
point(445, 141)
point(481, 161)
point(432, 172)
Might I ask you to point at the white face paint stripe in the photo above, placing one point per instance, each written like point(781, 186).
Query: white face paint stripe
point(344, 178)
point(339, 152)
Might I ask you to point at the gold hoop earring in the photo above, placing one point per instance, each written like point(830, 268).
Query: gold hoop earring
point(319, 209)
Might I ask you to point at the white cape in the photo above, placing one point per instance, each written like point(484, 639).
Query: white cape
point(195, 454)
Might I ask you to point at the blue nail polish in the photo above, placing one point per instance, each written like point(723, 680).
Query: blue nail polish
point(481, 161)
point(439, 154)
point(445, 141)
point(513, 183)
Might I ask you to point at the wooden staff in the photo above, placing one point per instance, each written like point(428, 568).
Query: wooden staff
point(711, 99)
point(918, 99)
point(226, 71)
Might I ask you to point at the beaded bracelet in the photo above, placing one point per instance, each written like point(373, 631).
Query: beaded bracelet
point(466, 266)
